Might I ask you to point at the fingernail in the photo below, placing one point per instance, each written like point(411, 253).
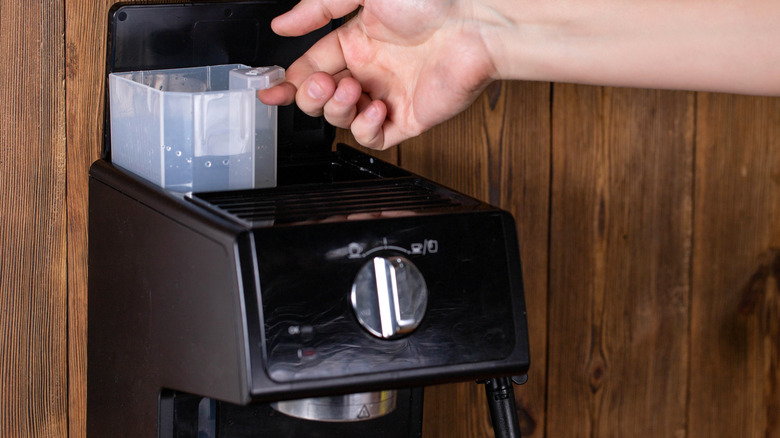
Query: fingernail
point(340, 95)
point(315, 91)
point(372, 113)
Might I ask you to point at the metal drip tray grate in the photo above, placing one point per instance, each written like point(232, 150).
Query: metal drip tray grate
point(284, 205)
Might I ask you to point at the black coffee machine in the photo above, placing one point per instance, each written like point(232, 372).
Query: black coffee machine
point(318, 308)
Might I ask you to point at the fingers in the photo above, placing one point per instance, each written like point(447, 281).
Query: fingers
point(368, 125)
point(343, 104)
point(282, 94)
point(314, 93)
point(310, 79)
point(309, 15)
point(373, 129)
point(341, 109)
point(324, 56)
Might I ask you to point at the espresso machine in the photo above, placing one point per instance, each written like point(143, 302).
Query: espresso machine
point(320, 307)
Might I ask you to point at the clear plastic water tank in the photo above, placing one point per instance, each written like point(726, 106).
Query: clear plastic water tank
point(195, 129)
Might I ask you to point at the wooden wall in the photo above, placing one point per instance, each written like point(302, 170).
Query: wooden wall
point(648, 220)
point(649, 226)
point(33, 292)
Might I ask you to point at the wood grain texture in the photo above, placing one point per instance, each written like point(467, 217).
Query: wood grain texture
point(85, 67)
point(457, 410)
point(498, 151)
point(619, 262)
point(33, 294)
point(735, 305)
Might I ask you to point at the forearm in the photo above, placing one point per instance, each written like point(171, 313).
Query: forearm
point(721, 45)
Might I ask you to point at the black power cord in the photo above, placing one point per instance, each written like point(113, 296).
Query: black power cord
point(503, 414)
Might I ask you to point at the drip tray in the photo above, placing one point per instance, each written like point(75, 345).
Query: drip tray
point(347, 201)
point(352, 186)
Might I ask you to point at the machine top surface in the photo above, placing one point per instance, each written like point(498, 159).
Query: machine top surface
point(344, 186)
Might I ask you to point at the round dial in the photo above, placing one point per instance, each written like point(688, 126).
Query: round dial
point(389, 296)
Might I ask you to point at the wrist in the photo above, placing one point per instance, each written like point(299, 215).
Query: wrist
point(656, 44)
point(520, 37)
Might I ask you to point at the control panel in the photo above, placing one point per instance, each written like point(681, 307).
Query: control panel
point(385, 295)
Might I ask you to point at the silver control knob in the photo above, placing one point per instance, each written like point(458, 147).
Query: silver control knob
point(389, 296)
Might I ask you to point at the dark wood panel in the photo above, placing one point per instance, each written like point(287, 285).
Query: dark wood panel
point(735, 340)
point(518, 135)
point(498, 151)
point(457, 411)
point(619, 262)
point(33, 294)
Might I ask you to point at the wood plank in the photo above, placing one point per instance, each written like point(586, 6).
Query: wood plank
point(520, 183)
point(735, 305)
point(85, 60)
point(33, 294)
point(457, 410)
point(498, 151)
point(619, 262)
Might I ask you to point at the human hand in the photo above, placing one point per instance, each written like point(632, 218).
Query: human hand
point(396, 69)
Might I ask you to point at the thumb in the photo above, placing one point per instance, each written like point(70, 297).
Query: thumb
point(310, 15)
